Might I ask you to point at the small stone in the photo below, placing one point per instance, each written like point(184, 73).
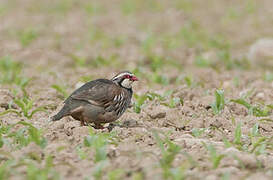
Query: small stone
point(226, 84)
point(158, 115)
point(69, 126)
point(158, 112)
point(262, 48)
point(216, 123)
point(129, 123)
point(260, 95)
point(249, 161)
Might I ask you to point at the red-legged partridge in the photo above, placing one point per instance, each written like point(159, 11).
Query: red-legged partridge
point(99, 101)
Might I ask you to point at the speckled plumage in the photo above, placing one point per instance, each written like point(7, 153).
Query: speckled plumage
point(99, 101)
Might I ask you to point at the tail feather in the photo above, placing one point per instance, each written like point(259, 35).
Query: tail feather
point(59, 115)
point(56, 117)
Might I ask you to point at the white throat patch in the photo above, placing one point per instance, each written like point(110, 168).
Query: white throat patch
point(126, 83)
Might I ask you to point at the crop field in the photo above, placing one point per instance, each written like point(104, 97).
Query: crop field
point(202, 108)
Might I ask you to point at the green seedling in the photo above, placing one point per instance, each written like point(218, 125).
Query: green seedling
point(188, 80)
point(119, 41)
point(236, 81)
point(255, 131)
point(140, 100)
point(137, 176)
point(116, 174)
point(258, 141)
point(194, 35)
point(99, 142)
point(170, 42)
point(3, 131)
point(159, 79)
point(202, 62)
point(86, 79)
point(156, 63)
point(251, 7)
point(185, 5)
point(60, 89)
point(253, 110)
point(197, 132)
point(31, 170)
point(43, 173)
point(225, 176)
point(21, 137)
point(268, 76)
point(259, 145)
point(149, 43)
point(175, 101)
point(60, 7)
point(5, 167)
point(93, 8)
point(101, 61)
point(34, 135)
point(129, 7)
point(169, 150)
point(219, 103)
point(27, 36)
point(26, 106)
point(225, 57)
point(99, 169)
point(81, 152)
point(214, 156)
point(10, 70)
point(78, 60)
point(10, 73)
point(98, 36)
point(238, 135)
point(177, 173)
point(3, 9)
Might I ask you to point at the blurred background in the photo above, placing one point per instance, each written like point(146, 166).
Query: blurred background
point(205, 71)
point(134, 34)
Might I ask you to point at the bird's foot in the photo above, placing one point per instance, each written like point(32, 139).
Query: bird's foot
point(83, 123)
point(98, 126)
point(111, 126)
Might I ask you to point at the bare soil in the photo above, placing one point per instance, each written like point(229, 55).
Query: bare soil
point(67, 29)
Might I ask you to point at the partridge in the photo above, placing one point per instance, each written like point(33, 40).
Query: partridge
point(99, 101)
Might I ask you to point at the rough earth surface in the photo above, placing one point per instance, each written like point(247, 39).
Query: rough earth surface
point(182, 51)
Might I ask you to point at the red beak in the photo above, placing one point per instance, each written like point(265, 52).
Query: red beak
point(134, 78)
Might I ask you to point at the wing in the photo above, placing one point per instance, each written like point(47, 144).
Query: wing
point(99, 93)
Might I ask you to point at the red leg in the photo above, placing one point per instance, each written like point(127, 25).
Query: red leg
point(98, 126)
point(83, 123)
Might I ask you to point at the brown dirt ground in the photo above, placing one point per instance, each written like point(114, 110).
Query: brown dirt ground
point(66, 29)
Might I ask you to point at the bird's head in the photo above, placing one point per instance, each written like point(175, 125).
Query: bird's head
point(125, 79)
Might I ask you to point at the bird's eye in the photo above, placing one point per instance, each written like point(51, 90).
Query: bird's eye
point(127, 76)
